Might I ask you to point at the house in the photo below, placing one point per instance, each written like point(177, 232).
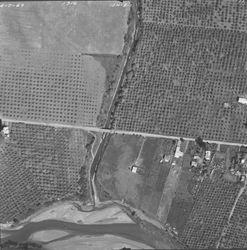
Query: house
point(178, 152)
point(208, 155)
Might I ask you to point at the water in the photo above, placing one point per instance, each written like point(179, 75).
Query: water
point(128, 231)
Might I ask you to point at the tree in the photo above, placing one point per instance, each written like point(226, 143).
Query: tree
point(200, 143)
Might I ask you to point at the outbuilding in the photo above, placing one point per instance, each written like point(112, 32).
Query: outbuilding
point(242, 100)
point(134, 169)
point(208, 155)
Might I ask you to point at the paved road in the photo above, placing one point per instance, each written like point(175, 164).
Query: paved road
point(123, 132)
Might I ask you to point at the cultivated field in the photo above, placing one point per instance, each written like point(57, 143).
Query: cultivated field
point(227, 14)
point(142, 190)
point(183, 199)
point(235, 235)
point(181, 76)
point(209, 215)
point(206, 211)
point(45, 86)
point(39, 164)
point(60, 61)
point(77, 27)
point(19, 193)
point(189, 180)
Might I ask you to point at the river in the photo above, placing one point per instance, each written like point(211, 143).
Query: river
point(128, 231)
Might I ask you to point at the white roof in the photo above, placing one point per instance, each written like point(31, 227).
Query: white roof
point(6, 131)
point(194, 164)
point(167, 158)
point(242, 100)
point(197, 157)
point(208, 155)
point(178, 152)
point(134, 169)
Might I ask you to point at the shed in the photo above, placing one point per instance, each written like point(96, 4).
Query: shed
point(242, 100)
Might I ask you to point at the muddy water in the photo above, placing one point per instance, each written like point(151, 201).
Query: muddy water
point(128, 231)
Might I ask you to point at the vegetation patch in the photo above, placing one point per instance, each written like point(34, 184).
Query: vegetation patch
point(132, 170)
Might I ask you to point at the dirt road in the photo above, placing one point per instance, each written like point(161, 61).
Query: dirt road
point(170, 187)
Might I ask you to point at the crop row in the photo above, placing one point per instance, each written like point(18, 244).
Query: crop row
point(227, 14)
point(49, 87)
point(209, 215)
point(19, 192)
point(40, 163)
point(180, 79)
point(235, 236)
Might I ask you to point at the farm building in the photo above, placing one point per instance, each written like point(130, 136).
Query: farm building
point(242, 100)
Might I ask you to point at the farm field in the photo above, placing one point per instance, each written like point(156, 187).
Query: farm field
point(209, 215)
point(181, 76)
point(209, 211)
point(41, 164)
point(45, 86)
point(91, 27)
point(199, 204)
point(143, 189)
point(189, 181)
point(235, 234)
point(207, 14)
point(183, 200)
point(60, 61)
point(172, 182)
